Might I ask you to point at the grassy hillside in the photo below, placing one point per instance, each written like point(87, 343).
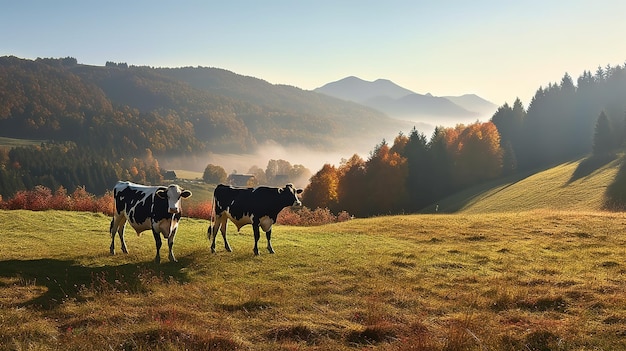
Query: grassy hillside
point(539, 280)
point(9, 143)
point(578, 185)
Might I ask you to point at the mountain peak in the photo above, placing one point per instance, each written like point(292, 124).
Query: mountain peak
point(398, 102)
point(358, 90)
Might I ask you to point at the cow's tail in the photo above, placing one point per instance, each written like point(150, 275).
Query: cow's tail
point(211, 219)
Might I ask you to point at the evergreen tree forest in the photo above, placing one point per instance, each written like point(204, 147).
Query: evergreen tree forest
point(563, 121)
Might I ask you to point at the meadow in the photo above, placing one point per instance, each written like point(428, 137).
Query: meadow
point(531, 280)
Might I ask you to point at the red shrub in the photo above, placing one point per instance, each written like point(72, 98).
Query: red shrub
point(39, 198)
point(288, 217)
point(83, 201)
point(60, 200)
point(106, 203)
point(307, 217)
point(200, 210)
point(343, 216)
point(18, 201)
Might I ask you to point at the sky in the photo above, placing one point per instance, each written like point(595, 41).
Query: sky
point(498, 49)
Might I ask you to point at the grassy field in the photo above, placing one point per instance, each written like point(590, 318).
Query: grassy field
point(10, 142)
point(506, 271)
point(537, 280)
point(574, 186)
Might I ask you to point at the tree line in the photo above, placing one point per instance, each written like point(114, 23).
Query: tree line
point(563, 121)
point(410, 174)
point(67, 165)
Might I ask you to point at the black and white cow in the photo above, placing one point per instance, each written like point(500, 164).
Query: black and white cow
point(257, 206)
point(147, 207)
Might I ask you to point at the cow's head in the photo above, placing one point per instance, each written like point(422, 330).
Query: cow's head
point(292, 193)
point(173, 194)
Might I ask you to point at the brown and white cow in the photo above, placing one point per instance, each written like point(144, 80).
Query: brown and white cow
point(147, 207)
point(257, 206)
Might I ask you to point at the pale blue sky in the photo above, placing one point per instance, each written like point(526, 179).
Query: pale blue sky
point(499, 50)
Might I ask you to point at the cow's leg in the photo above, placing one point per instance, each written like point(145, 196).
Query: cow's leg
point(170, 244)
point(268, 235)
point(157, 240)
point(223, 230)
point(257, 236)
point(120, 231)
point(212, 233)
point(112, 231)
point(117, 226)
point(220, 225)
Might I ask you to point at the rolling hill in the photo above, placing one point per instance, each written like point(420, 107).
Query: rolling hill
point(581, 185)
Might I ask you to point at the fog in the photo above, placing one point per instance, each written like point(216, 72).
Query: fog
point(313, 160)
point(241, 163)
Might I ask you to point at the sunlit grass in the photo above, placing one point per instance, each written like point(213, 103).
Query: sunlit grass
point(544, 280)
point(578, 186)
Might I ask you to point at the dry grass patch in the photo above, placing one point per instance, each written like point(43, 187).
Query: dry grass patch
point(540, 280)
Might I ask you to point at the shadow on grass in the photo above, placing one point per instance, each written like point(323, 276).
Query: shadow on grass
point(65, 279)
point(589, 165)
point(615, 195)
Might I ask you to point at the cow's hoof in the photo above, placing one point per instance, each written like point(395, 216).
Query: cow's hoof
point(256, 252)
point(229, 249)
point(270, 251)
point(212, 250)
point(157, 260)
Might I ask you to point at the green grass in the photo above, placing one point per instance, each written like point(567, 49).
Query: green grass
point(11, 142)
point(527, 263)
point(577, 186)
point(538, 280)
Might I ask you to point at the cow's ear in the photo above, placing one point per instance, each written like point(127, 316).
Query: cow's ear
point(185, 194)
point(162, 192)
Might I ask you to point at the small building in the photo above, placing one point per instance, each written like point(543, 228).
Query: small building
point(241, 179)
point(169, 175)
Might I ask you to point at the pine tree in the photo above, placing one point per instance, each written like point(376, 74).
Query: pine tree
point(602, 137)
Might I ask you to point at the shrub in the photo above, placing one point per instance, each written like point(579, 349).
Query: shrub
point(307, 217)
point(39, 198)
point(19, 201)
point(83, 201)
point(200, 210)
point(106, 203)
point(61, 200)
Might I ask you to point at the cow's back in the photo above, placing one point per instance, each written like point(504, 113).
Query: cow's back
point(139, 203)
point(239, 202)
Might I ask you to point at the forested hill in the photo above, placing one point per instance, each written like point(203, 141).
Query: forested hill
point(169, 111)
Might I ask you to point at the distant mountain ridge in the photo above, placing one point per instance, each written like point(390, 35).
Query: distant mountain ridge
point(175, 111)
point(398, 102)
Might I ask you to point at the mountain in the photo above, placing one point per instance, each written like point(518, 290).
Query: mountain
point(401, 103)
point(175, 111)
point(473, 102)
point(360, 91)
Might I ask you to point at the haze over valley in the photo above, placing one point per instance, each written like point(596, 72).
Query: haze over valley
point(190, 117)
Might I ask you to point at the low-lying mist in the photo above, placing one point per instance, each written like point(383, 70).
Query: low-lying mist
point(313, 160)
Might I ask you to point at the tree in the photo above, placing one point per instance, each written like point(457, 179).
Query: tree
point(322, 189)
point(214, 174)
point(602, 137)
point(352, 189)
point(386, 173)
